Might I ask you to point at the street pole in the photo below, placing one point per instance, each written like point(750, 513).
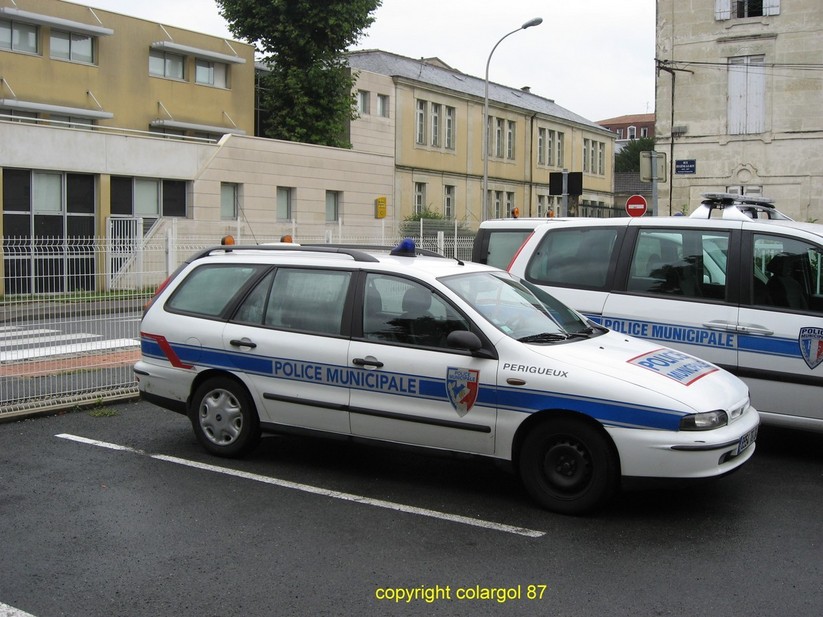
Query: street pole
point(532, 22)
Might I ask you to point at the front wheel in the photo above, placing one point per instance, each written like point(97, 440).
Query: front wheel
point(568, 466)
point(224, 418)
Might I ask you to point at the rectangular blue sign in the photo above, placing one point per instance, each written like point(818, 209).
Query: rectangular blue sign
point(685, 166)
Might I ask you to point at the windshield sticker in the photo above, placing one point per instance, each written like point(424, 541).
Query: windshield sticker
point(811, 346)
point(675, 365)
point(462, 385)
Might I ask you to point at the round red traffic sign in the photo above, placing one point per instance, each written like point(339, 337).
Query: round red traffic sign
point(636, 205)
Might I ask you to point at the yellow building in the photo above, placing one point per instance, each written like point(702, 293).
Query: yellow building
point(72, 63)
point(430, 117)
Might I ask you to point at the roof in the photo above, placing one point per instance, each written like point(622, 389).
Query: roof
point(630, 119)
point(435, 72)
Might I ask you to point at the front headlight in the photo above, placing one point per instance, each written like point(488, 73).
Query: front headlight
point(704, 421)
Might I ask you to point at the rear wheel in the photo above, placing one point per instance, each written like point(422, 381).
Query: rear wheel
point(224, 417)
point(568, 466)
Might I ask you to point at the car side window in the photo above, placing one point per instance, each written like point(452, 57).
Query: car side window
point(787, 273)
point(680, 262)
point(398, 310)
point(195, 295)
point(301, 299)
point(573, 258)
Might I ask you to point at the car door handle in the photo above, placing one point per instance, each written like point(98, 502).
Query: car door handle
point(367, 362)
point(244, 342)
point(729, 326)
point(753, 328)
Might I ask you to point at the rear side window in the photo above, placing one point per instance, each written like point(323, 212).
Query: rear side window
point(502, 245)
point(680, 262)
point(573, 257)
point(209, 289)
point(301, 299)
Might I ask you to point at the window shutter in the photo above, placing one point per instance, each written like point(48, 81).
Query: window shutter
point(771, 7)
point(723, 9)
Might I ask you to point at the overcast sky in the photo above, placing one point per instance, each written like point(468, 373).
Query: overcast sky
point(593, 57)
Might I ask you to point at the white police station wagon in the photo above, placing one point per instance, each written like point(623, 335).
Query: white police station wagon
point(736, 283)
point(433, 352)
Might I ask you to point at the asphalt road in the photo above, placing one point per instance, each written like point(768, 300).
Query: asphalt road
point(122, 513)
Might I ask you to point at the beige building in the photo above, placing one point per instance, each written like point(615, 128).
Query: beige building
point(739, 101)
point(430, 117)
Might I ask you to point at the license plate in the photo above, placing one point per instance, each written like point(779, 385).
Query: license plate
point(746, 440)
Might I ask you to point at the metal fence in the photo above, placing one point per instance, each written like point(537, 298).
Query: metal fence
point(70, 313)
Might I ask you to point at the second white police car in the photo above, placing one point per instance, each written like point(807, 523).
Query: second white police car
point(432, 352)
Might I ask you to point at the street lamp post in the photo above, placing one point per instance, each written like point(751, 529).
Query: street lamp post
point(532, 22)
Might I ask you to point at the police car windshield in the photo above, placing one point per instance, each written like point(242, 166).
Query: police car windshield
point(518, 308)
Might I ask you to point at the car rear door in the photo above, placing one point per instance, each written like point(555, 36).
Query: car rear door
point(289, 338)
point(781, 323)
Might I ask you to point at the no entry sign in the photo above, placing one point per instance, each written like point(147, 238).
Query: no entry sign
point(636, 205)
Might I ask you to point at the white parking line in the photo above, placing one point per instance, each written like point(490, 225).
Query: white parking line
point(10, 611)
point(62, 350)
point(306, 488)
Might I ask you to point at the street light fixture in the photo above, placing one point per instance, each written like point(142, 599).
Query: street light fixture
point(532, 22)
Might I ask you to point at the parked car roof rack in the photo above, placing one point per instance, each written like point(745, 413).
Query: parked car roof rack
point(357, 254)
point(738, 207)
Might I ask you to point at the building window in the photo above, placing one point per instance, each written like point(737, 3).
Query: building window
point(448, 202)
point(747, 95)
point(284, 204)
point(363, 107)
point(498, 137)
point(586, 146)
point(560, 160)
point(644, 131)
point(72, 121)
point(509, 204)
point(435, 119)
point(147, 197)
point(593, 166)
point(72, 46)
point(541, 146)
point(631, 132)
point(383, 105)
point(510, 137)
point(728, 9)
point(18, 36)
point(601, 158)
point(163, 64)
point(229, 200)
point(332, 206)
point(420, 130)
point(211, 73)
point(419, 197)
point(497, 203)
point(450, 127)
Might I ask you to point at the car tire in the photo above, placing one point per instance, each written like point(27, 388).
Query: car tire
point(569, 466)
point(224, 417)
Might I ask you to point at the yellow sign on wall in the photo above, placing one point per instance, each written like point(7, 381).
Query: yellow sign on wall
point(380, 208)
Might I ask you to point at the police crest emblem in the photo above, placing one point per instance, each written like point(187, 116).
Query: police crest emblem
point(462, 386)
point(811, 346)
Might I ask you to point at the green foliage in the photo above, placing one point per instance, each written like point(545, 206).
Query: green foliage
point(628, 159)
point(432, 223)
point(307, 95)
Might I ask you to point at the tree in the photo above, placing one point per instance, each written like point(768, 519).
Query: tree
point(306, 94)
point(628, 159)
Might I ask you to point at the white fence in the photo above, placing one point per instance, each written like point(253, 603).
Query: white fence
point(70, 311)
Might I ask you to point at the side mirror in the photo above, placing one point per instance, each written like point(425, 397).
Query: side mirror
point(463, 339)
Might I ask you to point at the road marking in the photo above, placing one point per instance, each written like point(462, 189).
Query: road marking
point(17, 355)
point(315, 490)
point(10, 611)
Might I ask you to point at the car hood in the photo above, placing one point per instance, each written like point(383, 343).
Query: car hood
point(662, 372)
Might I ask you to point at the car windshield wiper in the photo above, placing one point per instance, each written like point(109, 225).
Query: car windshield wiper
point(544, 337)
point(584, 333)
